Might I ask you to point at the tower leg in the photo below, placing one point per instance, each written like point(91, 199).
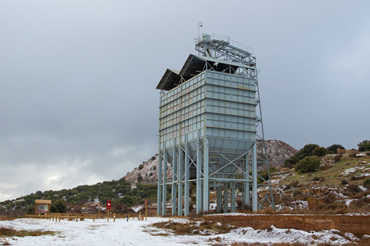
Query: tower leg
point(233, 197)
point(205, 178)
point(246, 195)
point(254, 178)
point(180, 172)
point(226, 199)
point(159, 188)
point(199, 181)
point(186, 191)
point(174, 184)
point(219, 199)
point(164, 193)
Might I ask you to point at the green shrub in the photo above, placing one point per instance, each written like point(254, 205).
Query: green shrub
point(58, 206)
point(141, 166)
point(127, 200)
point(290, 162)
point(333, 149)
point(319, 151)
point(364, 145)
point(30, 209)
point(139, 178)
point(308, 164)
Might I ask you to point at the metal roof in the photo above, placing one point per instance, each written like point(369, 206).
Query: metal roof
point(192, 67)
point(169, 80)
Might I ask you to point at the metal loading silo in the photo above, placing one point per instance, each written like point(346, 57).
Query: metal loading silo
point(207, 128)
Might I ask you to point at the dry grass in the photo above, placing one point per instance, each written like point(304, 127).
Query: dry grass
point(331, 175)
point(193, 228)
point(9, 232)
point(9, 217)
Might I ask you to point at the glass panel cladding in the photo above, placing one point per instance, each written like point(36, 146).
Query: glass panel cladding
point(182, 109)
point(224, 104)
point(230, 106)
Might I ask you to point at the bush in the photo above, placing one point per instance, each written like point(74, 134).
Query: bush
point(58, 206)
point(127, 200)
point(307, 150)
point(364, 145)
point(344, 181)
point(139, 178)
point(333, 149)
point(308, 164)
point(30, 209)
point(367, 183)
point(290, 162)
point(319, 151)
point(141, 166)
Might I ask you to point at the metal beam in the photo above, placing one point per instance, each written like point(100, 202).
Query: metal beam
point(246, 195)
point(205, 177)
point(219, 199)
point(159, 187)
point(232, 197)
point(180, 173)
point(199, 181)
point(174, 185)
point(226, 199)
point(254, 178)
point(164, 193)
point(186, 179)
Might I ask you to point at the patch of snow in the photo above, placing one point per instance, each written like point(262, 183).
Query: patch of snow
point(276, 235)
point(135, 232)
point(137, 208)
point(350, 171)
point(348, 202)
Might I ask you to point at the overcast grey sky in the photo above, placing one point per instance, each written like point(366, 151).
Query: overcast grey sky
point(78, 102)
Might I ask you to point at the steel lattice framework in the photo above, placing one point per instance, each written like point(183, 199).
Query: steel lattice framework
point(210, 129)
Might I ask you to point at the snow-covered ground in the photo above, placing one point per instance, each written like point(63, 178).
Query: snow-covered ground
point(136, 232)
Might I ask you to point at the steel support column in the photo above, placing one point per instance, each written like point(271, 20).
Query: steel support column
point(174, 180)
point(159, 188)
point(246, 192)
point(226, 199)
point(254, 178)
point(164, 193)
point(199, 181)
point(219, 199)
point(205, 177)
point(180, 174)
point(186, 188)
point(232, 197)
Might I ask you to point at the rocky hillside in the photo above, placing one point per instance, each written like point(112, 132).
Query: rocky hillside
point(277, 152)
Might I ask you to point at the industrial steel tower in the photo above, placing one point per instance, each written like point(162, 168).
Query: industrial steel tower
point(209, 127)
